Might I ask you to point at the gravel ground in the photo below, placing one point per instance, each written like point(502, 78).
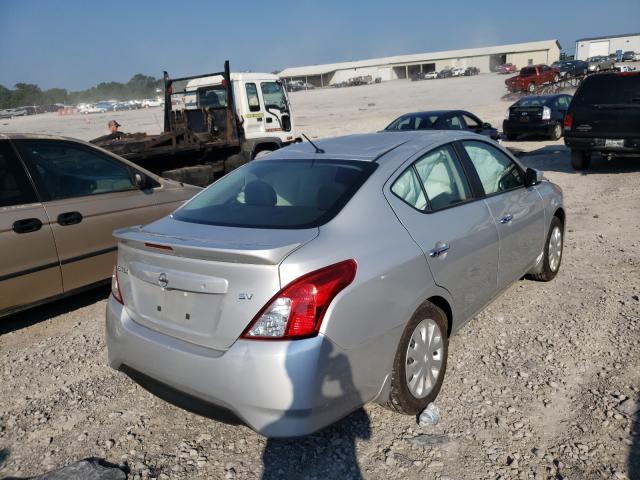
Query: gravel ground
point(544, 383)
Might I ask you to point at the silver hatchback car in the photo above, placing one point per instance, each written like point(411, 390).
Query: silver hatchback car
point(305, 284)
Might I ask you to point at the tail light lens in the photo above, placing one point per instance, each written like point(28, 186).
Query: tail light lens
point(568, 120)
point(115, 287)
point(297, 310)
point(546, 113)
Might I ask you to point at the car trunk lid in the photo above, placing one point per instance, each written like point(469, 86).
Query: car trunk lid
point(203, 287)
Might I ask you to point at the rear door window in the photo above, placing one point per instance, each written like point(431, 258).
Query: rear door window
point(68, 170)
point(15, 187)
point(278, 194)
point(471, 123)
point(497, 172)
point(439, 175)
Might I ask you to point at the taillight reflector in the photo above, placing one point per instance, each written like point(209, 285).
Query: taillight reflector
point(115, 287)
point(158, 246)
point(568, 121)
point(297, 310)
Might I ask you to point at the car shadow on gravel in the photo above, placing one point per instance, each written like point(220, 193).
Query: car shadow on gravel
point(330, 452)
point(26, 318)
point(634, 453)
point(557, 158)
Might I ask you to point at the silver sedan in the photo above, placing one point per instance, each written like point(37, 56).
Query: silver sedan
point(305, 284)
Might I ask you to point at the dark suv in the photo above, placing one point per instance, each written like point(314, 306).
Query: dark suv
point(604, 116)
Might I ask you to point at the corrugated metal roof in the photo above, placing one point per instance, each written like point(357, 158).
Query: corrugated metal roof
point(607, 36)
point(418, 57)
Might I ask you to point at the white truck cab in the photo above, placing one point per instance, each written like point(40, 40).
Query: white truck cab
point(261, 105)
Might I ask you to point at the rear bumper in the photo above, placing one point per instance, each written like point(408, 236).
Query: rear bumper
point(277, 388)
point(534, 128)
point(631, 145)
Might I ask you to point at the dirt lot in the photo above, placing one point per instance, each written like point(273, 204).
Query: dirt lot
point(544, 383)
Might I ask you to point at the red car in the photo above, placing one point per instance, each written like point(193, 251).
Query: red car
point(507, 68)
point(532, 76)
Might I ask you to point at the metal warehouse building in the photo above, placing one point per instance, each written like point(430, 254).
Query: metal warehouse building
point(590, 47)
point(404, 66)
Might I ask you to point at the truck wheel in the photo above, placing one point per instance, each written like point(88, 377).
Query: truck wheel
point(420, 362)
point(262, 153)
point(234, 161)
point(531, 88)
point(552, 256)
point(580, 159)
point(556, 133)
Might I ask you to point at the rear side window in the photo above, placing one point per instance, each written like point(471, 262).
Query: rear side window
point(439, 175)
point(616, 89)
point(67, 170)
point(15, 188)
point(278, 194)
point(497, 172)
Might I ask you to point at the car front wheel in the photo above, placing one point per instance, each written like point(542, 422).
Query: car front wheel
point(552, 255)
point(420, 362)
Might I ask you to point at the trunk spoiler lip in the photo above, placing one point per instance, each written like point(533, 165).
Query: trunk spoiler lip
point(264, 253)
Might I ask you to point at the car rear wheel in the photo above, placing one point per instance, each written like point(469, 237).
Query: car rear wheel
point(556, 132)
point(552, 256)
point(420, 362)
point(580, 159)
point(531, 88)
point(556, 78)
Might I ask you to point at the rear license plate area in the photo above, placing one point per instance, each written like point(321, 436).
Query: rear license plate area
point(611, 143)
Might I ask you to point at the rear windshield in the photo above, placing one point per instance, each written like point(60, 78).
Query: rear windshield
point(278, 194)
point(528, 71)
point(531, 102)
point(616, 89)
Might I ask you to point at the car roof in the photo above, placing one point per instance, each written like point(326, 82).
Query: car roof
point(432, 112)
point(370, 147)
point(35, 136)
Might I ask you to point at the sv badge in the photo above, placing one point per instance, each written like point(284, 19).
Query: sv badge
point(245, 296)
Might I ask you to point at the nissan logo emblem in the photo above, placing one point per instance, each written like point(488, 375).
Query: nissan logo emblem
point(163, 281)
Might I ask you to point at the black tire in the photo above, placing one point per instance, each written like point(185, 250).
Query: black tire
point(580, 159)
point(511, 136)
point(262, 152)
point(556, 132)
point(234, 161)
point(547, 273)
point(400, 398)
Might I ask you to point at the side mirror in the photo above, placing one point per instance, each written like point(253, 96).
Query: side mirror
point(486, 125)
point(532, 177)
point(140, 180)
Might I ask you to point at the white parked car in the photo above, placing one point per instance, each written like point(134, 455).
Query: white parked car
point(152, 103)
point(622, 67)
point(430, 75)
point(458, 72)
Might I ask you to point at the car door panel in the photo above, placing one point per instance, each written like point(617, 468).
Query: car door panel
point(87, 249)
point(460, 243)
point(518, 211)
point(521, 237)
point(29, 270)
point(89, 194)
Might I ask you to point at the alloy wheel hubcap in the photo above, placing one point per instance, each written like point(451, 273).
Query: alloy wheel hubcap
point(423, 360)
point(555, 249)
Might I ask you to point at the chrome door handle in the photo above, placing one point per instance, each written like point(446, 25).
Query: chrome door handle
point(506, 219)
point(439, 250)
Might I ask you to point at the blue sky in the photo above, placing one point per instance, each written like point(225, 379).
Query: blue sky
point(75, 44)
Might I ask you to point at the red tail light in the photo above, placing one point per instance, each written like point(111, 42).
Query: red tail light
point(568, 121)
point(115, 287)
point(297, 310)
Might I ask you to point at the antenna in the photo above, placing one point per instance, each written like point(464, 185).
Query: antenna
point(318, 149)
